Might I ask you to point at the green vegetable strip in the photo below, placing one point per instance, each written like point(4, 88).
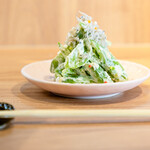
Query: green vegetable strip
point(77, 58)
point(98, 74)
point(110, 64)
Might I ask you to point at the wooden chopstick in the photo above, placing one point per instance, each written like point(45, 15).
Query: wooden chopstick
point(77, 113)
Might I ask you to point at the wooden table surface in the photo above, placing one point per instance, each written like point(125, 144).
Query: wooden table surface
point(53, 134)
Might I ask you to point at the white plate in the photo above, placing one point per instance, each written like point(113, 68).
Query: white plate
point(38, 73)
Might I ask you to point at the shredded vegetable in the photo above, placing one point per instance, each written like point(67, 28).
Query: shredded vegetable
point(85, 58)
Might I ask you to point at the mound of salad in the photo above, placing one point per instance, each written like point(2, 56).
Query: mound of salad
point(85, 58)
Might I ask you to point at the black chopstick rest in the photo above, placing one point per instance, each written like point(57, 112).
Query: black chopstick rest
point(5, 121)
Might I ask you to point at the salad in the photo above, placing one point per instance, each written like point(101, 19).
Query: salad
point(85, 58)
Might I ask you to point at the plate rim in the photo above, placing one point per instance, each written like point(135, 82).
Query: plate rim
point(78, 84)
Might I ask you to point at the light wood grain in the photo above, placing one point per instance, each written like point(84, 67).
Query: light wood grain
point(32, 22)
point(50, 134)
